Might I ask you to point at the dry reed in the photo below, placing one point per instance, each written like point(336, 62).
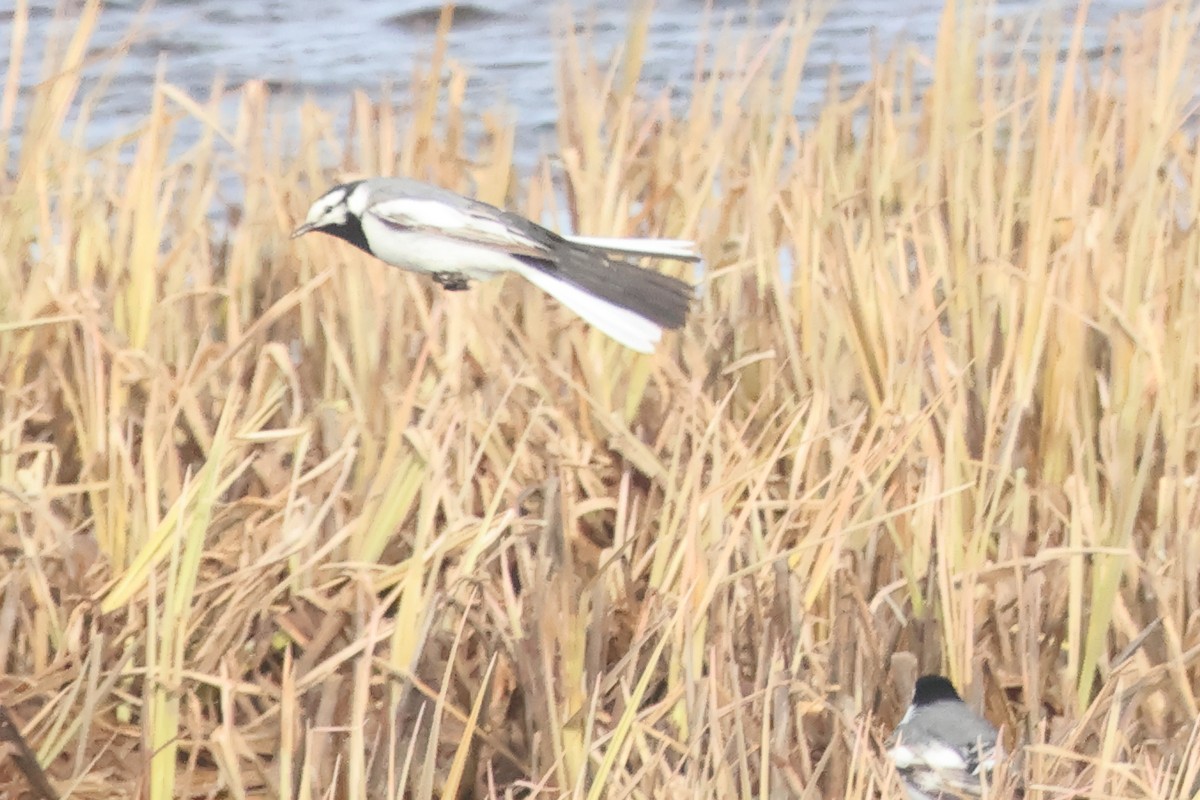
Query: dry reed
point(280, 521)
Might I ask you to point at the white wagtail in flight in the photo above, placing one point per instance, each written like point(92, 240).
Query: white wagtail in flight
point(942, 749)
point(426, 229)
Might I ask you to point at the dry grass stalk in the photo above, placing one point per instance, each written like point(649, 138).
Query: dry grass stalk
point(282, 521)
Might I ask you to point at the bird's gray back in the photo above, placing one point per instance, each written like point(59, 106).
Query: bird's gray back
point(384, 189)
point(952, 722)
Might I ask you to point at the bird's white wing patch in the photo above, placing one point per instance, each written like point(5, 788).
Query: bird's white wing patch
point(428, 214)
point(442, 219)
point(942, 757)
point(904, 757)
point(931, 755)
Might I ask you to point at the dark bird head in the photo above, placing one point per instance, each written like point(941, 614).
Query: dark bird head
point(338, 213)
point(933, 688)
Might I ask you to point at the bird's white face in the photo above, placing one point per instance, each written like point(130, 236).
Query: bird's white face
point(332, 209)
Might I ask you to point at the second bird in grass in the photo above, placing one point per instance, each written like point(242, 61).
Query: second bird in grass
point(423, 228)
point(942, 749)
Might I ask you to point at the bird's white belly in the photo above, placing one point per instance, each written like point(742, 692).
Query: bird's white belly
point(425, 252)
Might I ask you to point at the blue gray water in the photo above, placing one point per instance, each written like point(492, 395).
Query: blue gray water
point(324, 50)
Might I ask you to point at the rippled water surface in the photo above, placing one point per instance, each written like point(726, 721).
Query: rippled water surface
point(324, 50)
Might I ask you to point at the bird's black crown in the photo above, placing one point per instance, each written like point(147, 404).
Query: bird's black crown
point(932, 688)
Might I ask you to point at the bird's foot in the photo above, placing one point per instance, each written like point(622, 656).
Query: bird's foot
point(452, 281)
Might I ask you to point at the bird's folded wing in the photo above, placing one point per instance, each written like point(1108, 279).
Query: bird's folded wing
point(464, 225)
point(939, 768)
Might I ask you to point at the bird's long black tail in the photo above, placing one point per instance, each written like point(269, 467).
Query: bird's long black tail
point(628, 302)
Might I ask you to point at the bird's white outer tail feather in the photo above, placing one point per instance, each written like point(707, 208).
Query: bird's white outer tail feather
point(630, 329)
point(681, 249)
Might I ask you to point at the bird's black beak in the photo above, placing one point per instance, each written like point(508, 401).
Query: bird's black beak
point(303, 229)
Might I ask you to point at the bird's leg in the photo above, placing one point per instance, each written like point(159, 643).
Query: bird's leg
point(451, 281)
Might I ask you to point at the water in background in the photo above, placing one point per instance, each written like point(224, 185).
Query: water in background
point(325, 50)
